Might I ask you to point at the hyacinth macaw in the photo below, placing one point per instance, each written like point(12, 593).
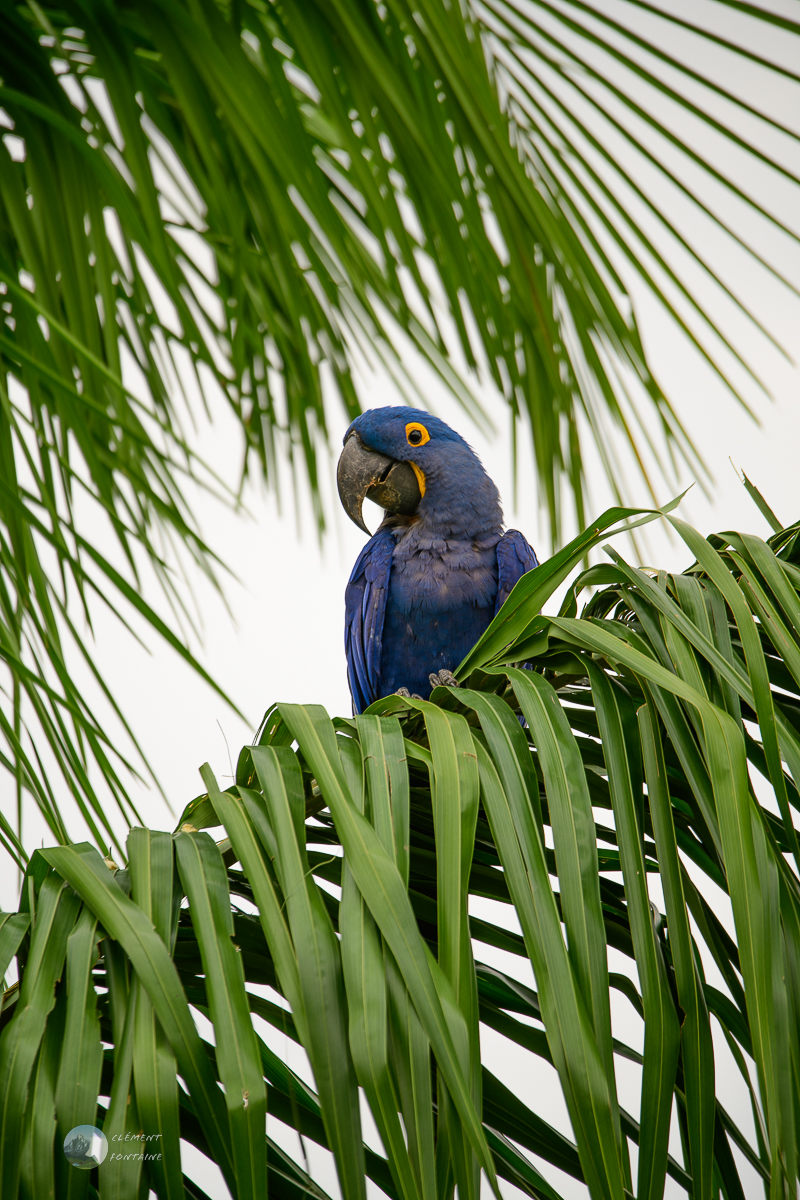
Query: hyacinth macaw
point(429, 581)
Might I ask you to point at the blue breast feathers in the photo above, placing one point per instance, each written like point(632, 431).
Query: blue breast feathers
point(408, 614)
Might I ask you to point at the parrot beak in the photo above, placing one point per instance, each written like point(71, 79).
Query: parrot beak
point(365, 473)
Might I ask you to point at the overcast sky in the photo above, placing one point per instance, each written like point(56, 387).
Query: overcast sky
point(283, 636)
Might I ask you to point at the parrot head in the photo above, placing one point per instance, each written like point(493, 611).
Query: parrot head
point(395, 456)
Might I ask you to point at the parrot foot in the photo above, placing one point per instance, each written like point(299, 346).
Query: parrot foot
point(406, 694)
point(443, 679)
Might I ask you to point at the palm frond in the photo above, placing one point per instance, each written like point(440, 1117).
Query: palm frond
point(658, 753)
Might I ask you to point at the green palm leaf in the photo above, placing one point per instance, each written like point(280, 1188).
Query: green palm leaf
point(649, 717)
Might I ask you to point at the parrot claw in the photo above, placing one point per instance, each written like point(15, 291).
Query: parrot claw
point(443, 679)
point(406, 695)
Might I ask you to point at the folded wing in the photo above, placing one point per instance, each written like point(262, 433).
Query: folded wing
point(365, 609)
point(514, 557)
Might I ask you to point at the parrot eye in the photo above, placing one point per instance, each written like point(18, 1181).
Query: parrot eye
point(416, 434)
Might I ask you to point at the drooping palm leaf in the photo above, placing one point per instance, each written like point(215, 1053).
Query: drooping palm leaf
point(258, 193)
point(660, 744)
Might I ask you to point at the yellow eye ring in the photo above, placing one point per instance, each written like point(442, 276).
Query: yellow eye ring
point(416, 434)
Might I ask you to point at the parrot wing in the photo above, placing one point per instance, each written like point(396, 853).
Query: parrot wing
point(365, 608)
point(514, 558)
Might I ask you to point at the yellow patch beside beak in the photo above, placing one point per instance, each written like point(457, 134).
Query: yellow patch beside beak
point(420, 474)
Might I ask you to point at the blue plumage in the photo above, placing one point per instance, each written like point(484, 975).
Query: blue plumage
point(425, 586)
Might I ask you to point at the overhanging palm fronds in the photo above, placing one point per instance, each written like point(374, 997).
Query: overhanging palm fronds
point(660, 748)
point(329, 152)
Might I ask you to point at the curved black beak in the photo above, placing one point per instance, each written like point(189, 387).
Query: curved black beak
point(365, 473)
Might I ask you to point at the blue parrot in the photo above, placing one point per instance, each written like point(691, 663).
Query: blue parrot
point(429, 581)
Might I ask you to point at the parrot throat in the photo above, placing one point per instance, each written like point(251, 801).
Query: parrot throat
point(460, 501)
